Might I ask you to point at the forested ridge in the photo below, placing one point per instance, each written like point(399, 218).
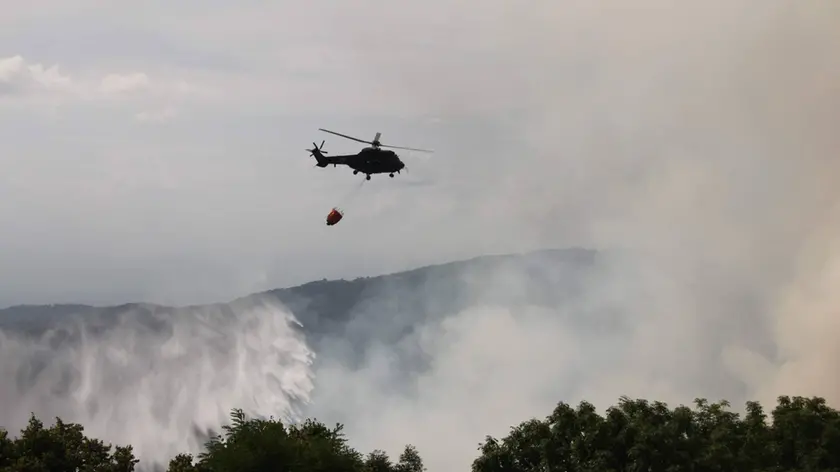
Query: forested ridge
point(799, 434)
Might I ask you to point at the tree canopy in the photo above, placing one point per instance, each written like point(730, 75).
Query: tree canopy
point(801, 434)
point(639, 435)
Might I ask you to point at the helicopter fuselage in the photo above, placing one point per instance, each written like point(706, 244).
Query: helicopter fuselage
point(368, 161)
point(375, 161)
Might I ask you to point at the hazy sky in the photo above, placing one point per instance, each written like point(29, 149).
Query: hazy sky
point(155, 151)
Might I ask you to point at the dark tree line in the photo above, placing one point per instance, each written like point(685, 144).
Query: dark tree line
point(800, 435)
point(638, 435)
point(247, 445)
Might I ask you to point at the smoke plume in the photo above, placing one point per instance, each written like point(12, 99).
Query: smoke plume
point(696, 141)
point(700, 143)
point(161, 383)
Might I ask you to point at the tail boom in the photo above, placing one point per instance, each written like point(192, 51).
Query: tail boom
point(323, 161)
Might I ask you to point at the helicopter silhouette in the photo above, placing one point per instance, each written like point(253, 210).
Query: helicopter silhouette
point(370, 160)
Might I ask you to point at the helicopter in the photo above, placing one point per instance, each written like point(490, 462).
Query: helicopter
point(370, 160)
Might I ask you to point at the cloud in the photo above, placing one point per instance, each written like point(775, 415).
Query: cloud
point(17, 76)
point(158, 116)
point(116, 83)
point(37, 84)
point(10, 67)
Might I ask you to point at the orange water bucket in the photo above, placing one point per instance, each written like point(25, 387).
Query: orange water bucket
point(334, 216)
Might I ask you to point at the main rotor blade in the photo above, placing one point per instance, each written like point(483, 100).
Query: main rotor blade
point(371, 143)
point(345, 136)
point(406, 148)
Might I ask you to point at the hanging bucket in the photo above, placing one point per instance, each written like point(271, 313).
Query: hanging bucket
point(334, 216)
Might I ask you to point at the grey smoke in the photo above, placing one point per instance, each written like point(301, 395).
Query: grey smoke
point(160, 382)
point(700, 138)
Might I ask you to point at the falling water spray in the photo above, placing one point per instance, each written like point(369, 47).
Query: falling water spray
point(158, 381)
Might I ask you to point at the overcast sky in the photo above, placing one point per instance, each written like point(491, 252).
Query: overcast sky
point(155, 150)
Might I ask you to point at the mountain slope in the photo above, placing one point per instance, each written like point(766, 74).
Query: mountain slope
point(393, 302)
point(191, 364)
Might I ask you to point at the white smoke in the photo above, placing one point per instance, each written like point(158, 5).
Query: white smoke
point(161, 388)
point(699, 137)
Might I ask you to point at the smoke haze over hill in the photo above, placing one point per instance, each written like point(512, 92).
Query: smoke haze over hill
point(694, 146)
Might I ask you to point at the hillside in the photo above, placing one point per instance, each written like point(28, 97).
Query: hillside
point(139, 365)
point(393, 303)
point(390, 352)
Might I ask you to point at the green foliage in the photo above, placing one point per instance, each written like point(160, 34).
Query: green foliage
point(257, 445)
point(800, 435)
point(638, 435)
point(247, 445)
point(62, 447)
point(410, 460)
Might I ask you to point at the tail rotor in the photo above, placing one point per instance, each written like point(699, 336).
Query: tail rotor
point(317, 148)
point(317, 152)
